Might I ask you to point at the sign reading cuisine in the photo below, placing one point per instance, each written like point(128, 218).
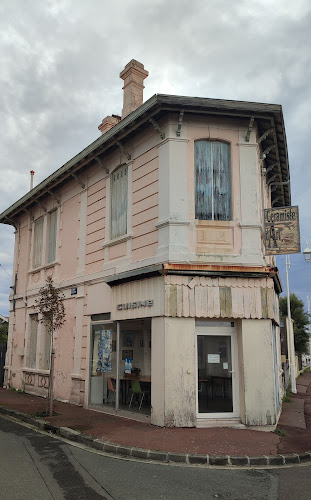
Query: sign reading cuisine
point(282, 230)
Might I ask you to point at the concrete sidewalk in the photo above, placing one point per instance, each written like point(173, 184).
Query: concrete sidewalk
point(211, 446)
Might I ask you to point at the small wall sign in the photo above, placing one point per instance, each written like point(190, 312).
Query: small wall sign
point(74, 291)
point(134, 305)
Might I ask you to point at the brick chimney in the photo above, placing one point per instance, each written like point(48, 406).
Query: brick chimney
point(133, 76)
point(108, 123)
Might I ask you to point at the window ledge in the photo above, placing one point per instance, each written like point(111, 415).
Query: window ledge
point(36, 371)
point(118, 240)
point(44, 266)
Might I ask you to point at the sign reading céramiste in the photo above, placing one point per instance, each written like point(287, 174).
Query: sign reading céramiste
point(282, 230)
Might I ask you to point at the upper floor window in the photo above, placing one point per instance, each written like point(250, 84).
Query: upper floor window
point(44, 239)
point(52, 225)
point(119, 188)
point(37, 242)
point(212, 180)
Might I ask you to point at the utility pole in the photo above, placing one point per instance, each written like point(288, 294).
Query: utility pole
point(290, 334)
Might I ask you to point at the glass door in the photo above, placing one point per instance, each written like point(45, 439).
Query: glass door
point(217, 375)
point(103, 365)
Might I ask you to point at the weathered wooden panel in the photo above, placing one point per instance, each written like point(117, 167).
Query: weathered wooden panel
point(204, 297)
point(225, 300)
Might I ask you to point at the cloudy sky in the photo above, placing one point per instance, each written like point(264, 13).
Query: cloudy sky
point(59, 77)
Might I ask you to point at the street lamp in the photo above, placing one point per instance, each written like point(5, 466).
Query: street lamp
point(307, 251)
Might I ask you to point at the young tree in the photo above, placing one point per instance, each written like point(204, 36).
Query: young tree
point(50, 307)
point(300, 320)
point(3, 333)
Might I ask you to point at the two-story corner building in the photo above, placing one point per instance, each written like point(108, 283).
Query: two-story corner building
point(154, 233)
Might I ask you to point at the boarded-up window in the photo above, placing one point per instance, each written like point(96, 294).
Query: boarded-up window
point(32, 356)
point(37, 243)
point(212, 180)
point(119, 186)
point(52, 225)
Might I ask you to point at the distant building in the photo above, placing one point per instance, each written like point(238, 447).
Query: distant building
point(154, 233)
point(3, 319)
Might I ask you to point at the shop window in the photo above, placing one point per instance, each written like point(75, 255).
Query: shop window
point(119, 200)
point(212, 180)
point(33, 334)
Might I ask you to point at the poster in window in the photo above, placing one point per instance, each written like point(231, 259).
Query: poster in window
point(104, 363)
point(128, 365)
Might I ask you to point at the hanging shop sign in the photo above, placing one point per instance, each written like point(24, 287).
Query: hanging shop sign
point(282, 230)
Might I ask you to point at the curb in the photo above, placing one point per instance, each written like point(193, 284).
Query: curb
point(161, 456)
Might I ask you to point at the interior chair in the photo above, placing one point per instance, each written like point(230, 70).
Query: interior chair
point(137, 390)
point(111, 391)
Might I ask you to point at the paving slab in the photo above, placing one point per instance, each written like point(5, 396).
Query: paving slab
point(294, 414)
point(145, 440)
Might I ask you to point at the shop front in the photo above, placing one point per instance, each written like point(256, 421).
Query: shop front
point(189, 351)
point(121, 365)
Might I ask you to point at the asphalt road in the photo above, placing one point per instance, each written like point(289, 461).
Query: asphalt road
point(38, 466)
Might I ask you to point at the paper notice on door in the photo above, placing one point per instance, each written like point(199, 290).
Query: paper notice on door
point(225, 366)
point(213, 358)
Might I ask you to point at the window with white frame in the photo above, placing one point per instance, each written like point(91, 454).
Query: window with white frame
point(44, 239)
point(37, 242)
point(119, 201)
point(212, 180)
point(51, 240)
point(33, 334)
point(45, 347)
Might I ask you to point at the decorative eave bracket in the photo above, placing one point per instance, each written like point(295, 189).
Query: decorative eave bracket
point(250, 127)
point(158, 129)
point(11, 222)
point(29, 214)
point(181, 115)
point(40, 205)
point(267, 151)
point(100, 162)
point(265, 135)
point(271, 167)
point(78, 180)
point(275, 200)
point(127, 154)
point(54, 197)
point(272, 179)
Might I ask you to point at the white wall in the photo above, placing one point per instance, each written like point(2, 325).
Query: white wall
point(173, 372)
point(258, 372)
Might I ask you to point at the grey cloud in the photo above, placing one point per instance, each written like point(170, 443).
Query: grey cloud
point(60, 64)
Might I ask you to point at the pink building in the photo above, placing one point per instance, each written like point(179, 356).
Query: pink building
point(154, 233)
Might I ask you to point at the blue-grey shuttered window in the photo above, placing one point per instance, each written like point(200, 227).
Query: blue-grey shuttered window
point(37, 243)
point(212, 180)
point(119, 186)
point(52, 226)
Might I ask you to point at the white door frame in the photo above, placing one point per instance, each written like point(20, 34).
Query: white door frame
point(221, 329)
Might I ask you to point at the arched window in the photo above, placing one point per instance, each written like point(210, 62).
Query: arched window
point(212, 180)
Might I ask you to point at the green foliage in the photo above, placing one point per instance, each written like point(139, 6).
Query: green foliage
point(51, 306)
point(280, 432)
point(3, 333)
point(300, 320)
